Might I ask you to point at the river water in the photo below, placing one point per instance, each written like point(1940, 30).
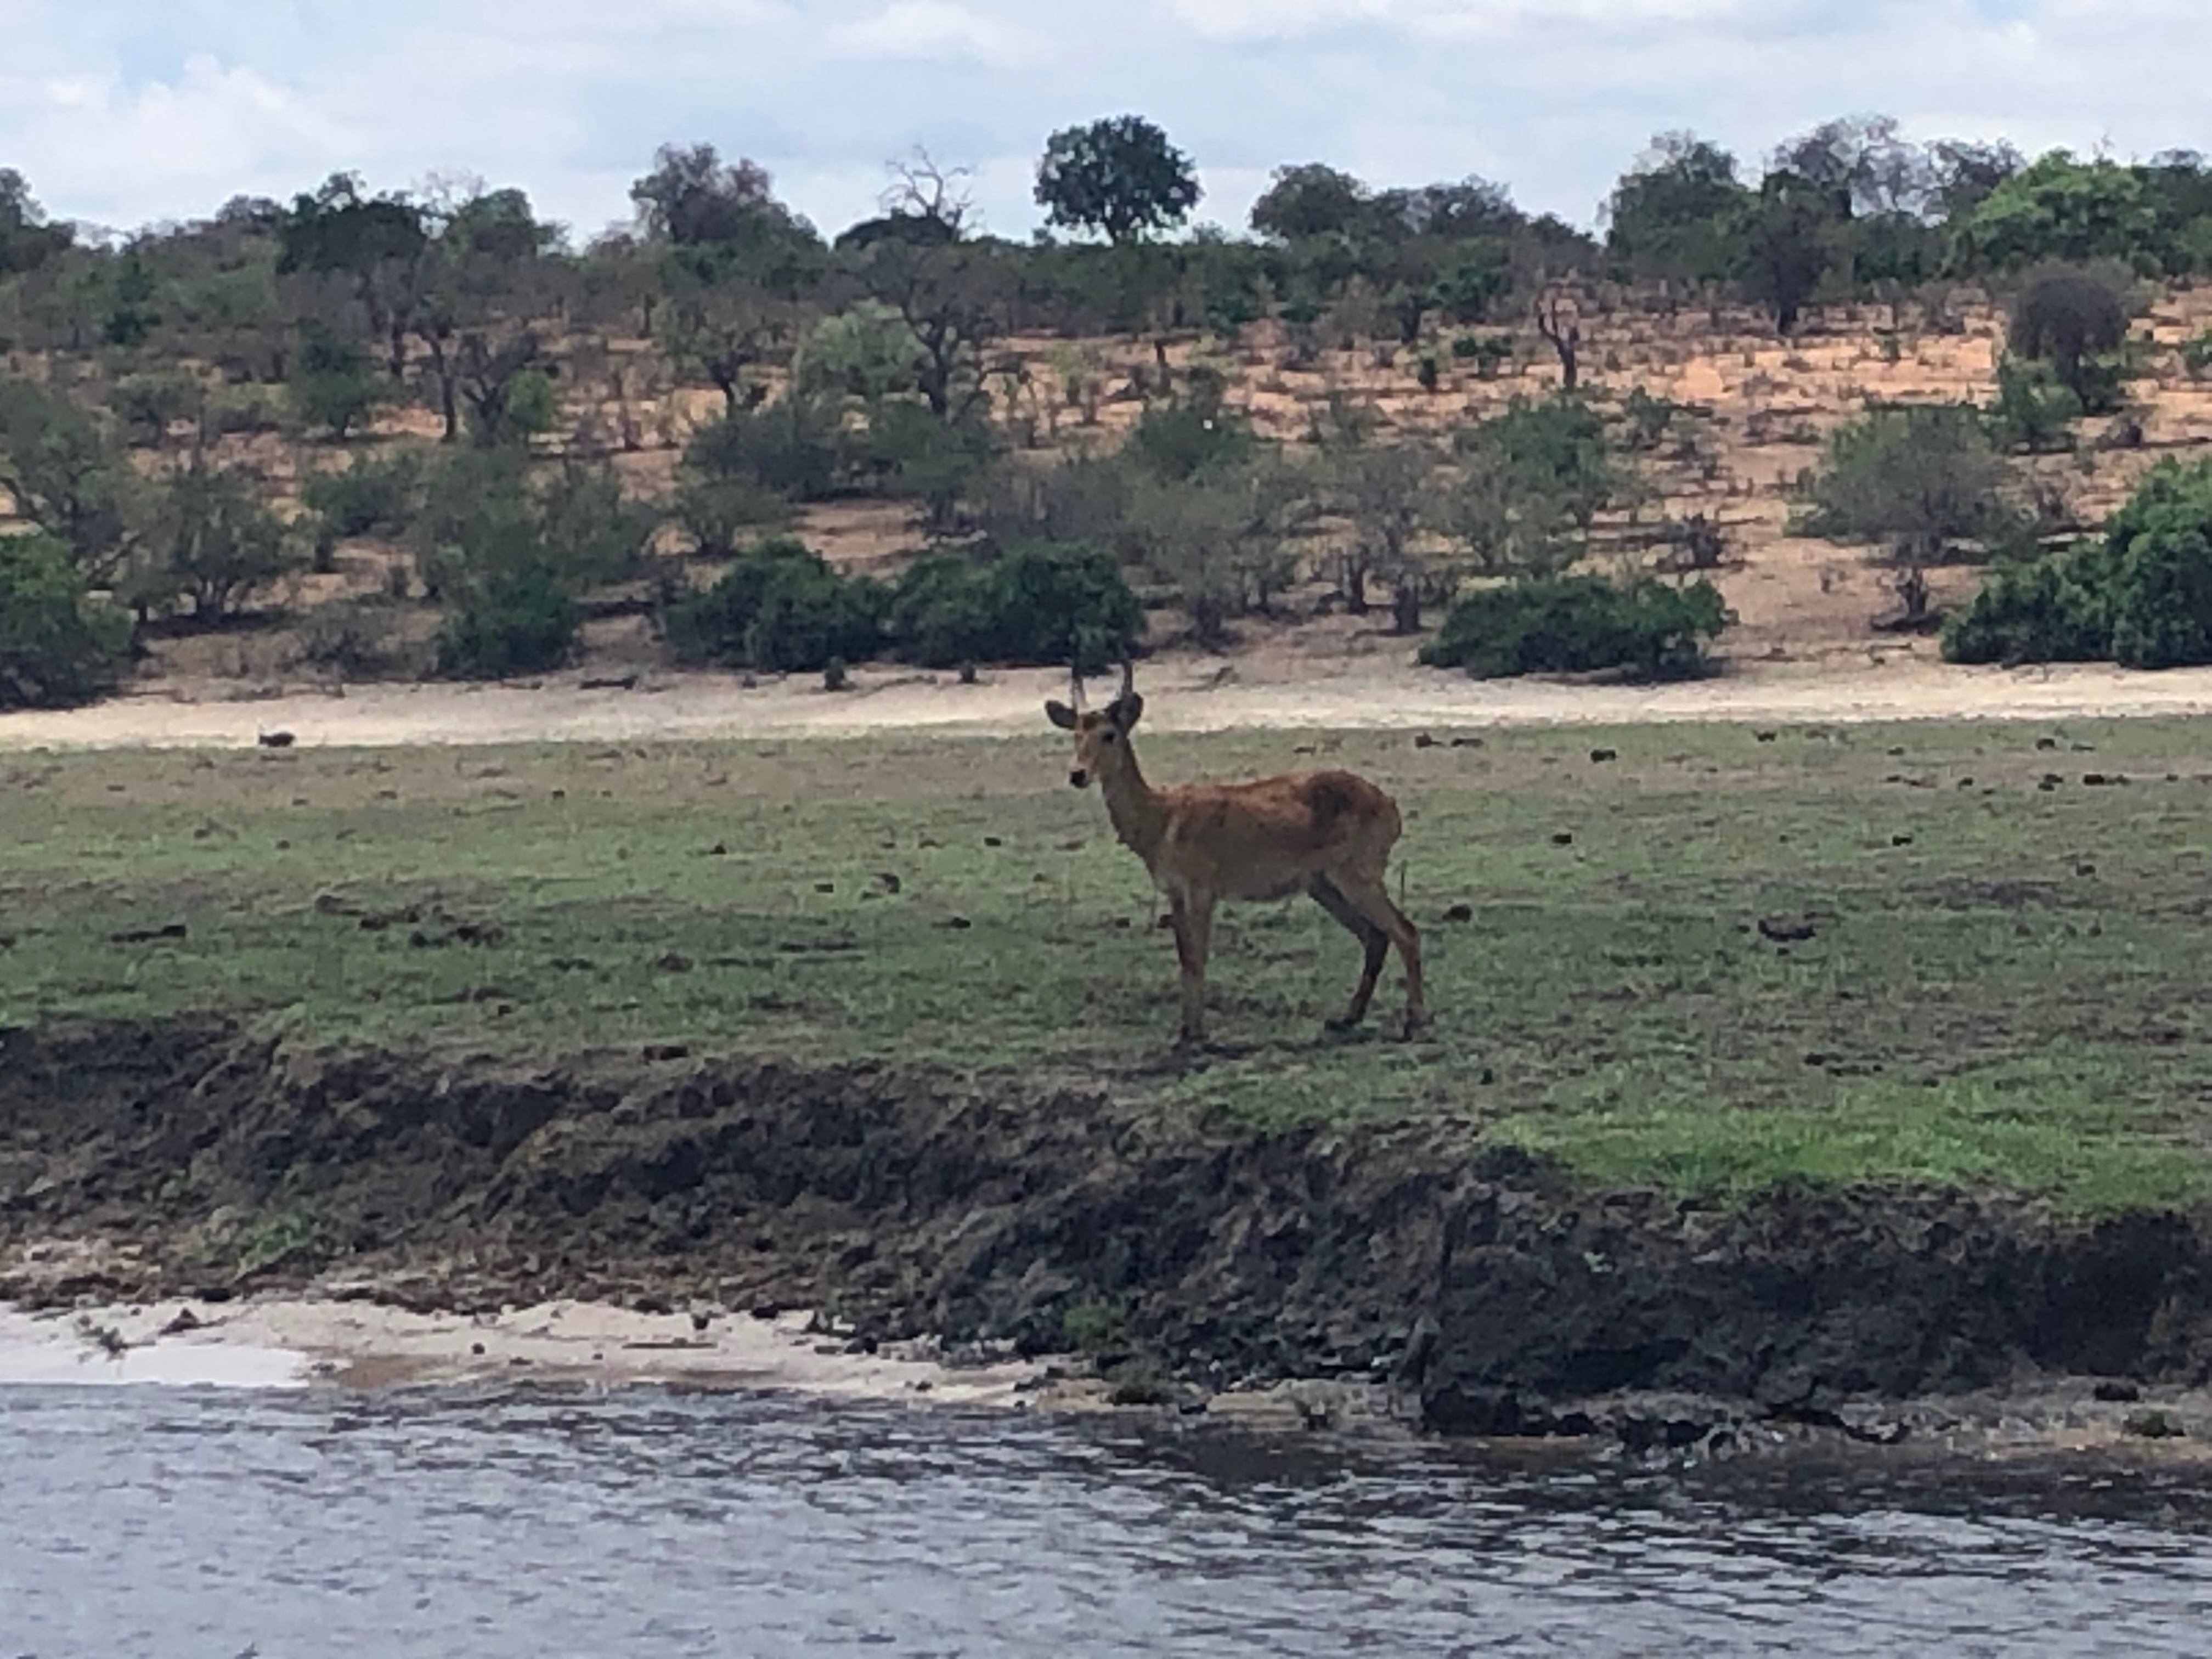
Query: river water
point(202, 1523)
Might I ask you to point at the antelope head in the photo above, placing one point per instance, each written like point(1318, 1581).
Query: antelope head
point(1102, 745)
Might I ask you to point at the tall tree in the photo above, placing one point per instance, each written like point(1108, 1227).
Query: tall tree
point(26, 240)
point(1677, 213)
point(1119, 177)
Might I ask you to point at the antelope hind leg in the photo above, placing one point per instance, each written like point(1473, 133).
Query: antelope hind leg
point(1373, 942)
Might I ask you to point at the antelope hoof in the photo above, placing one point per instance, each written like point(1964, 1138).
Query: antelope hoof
point(1344, 1024)
point(1410, 1026)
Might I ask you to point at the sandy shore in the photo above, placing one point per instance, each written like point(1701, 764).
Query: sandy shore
point(295, 1342)
point(1186, 694)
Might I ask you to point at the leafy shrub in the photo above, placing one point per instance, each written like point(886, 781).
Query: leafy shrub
point(370, 497)
point(516, 622)
point(1041, 603)
point(213, 540)
point(2197, 354)
point(2046, 610)
point(1177, 442)
point(2141, 595)
point(1920, 479)
point(791, 448)
point(334, 388)
point(352, 638)
point(2032, 413)
point(592, 535)
point(148, 405)
point(1580, 624)
point(57, 647)
point(2157, 559)
point(1647, 418)
point(1556, 448)
point(780, 606)
point(2068, 316)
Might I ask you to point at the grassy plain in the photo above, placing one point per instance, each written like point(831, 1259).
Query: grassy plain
point(1985, 978)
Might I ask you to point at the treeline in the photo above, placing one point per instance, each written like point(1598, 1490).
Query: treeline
point(875, 363)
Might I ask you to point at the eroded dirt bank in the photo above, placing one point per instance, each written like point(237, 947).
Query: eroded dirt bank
point(1497, 1294)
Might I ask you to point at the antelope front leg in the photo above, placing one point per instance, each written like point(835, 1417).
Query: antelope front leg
point(1193, 928)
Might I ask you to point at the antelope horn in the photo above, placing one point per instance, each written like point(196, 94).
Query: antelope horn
point(1128, 674)
point(1075, 681)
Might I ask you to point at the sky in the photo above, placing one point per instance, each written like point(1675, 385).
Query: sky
point(125, 114)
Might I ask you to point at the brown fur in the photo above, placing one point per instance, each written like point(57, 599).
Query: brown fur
point(1325, 834)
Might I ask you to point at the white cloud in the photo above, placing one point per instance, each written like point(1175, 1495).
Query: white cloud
point(934, 30)
point(124, 114)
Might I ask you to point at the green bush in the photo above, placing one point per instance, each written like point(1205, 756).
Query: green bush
point(57, 647)
point(780, 607)
point(2141, 595)
point(2032, 413)
point(371, 497)
point(1580, 624)
point(792, 448)
point(1919, 479)
point(1177, 442)
point(2157, 557)
point(334, 387)
point(1040, 603)
point(518, 623)
point(2047, 610)
point(148, 405)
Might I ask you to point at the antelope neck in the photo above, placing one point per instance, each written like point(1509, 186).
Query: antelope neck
point(1138, 814)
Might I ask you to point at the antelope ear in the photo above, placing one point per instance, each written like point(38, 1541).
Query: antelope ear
point(1129, 708)
point(1060, 715)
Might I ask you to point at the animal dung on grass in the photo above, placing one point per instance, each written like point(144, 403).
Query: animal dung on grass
point(1786, 930)
point(1600, 757)
point(1460, 913)
point(276, 739)
point(1562, 838)
point(174, 930)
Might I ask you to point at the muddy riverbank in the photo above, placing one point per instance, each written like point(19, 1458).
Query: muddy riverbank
point(1483, 1292)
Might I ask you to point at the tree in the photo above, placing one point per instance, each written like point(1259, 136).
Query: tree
point(1507, 523)
point(2059, 207)
point(57, 647)
point(1312, 200)
point(1965, 175)
point(1676, 214)
point(68, 477)
point(334, 386)
point(1859, 166)
point(479, 290)
point(2066, 316)
point(951, 298)
point(1120, 177)
point(375, 244)
point(693, 198)
point(1787, 245)
point(1382, 493)
point(1922, 481)
point(26, 240)
point(215, 541)
point(720, 326)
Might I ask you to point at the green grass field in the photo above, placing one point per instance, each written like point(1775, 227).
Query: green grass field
point(2007, 986)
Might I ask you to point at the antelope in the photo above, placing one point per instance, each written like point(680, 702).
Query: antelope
point(1327, 835)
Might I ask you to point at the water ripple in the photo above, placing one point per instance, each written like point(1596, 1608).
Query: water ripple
point(178, 1524)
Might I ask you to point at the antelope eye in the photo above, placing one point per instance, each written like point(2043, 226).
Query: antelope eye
point(1108, 737)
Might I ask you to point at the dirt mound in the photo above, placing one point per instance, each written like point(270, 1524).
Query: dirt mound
point(1495, 1291)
